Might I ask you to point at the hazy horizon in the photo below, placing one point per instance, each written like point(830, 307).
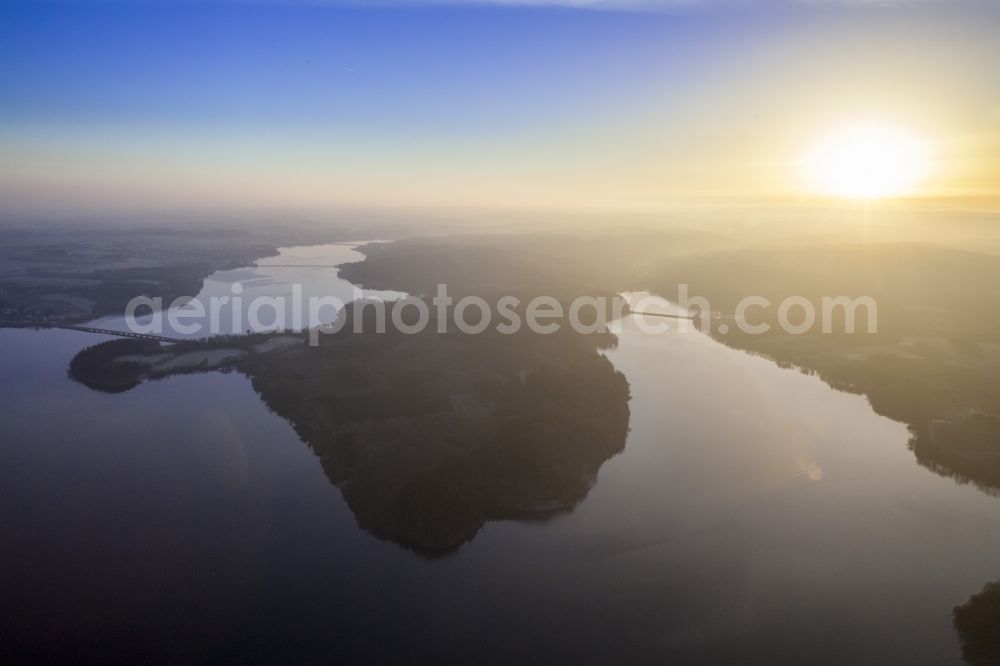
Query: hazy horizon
point(208, 105)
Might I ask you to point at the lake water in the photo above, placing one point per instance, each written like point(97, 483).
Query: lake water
point(754, 511)
point(274, 293)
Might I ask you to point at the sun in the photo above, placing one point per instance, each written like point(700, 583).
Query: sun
point(867, 162)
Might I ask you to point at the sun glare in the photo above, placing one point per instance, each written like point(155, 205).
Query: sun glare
point(867, 162)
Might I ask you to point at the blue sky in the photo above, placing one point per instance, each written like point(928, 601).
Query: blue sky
point(284, 62)
point(478, 97)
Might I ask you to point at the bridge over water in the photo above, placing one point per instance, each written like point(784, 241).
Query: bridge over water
point(662, 314)
point(120, 334)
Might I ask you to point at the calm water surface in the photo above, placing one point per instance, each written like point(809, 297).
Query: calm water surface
point(754, 512)
point(282, 286)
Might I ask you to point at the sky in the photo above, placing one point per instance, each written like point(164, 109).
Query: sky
point(563, 104)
